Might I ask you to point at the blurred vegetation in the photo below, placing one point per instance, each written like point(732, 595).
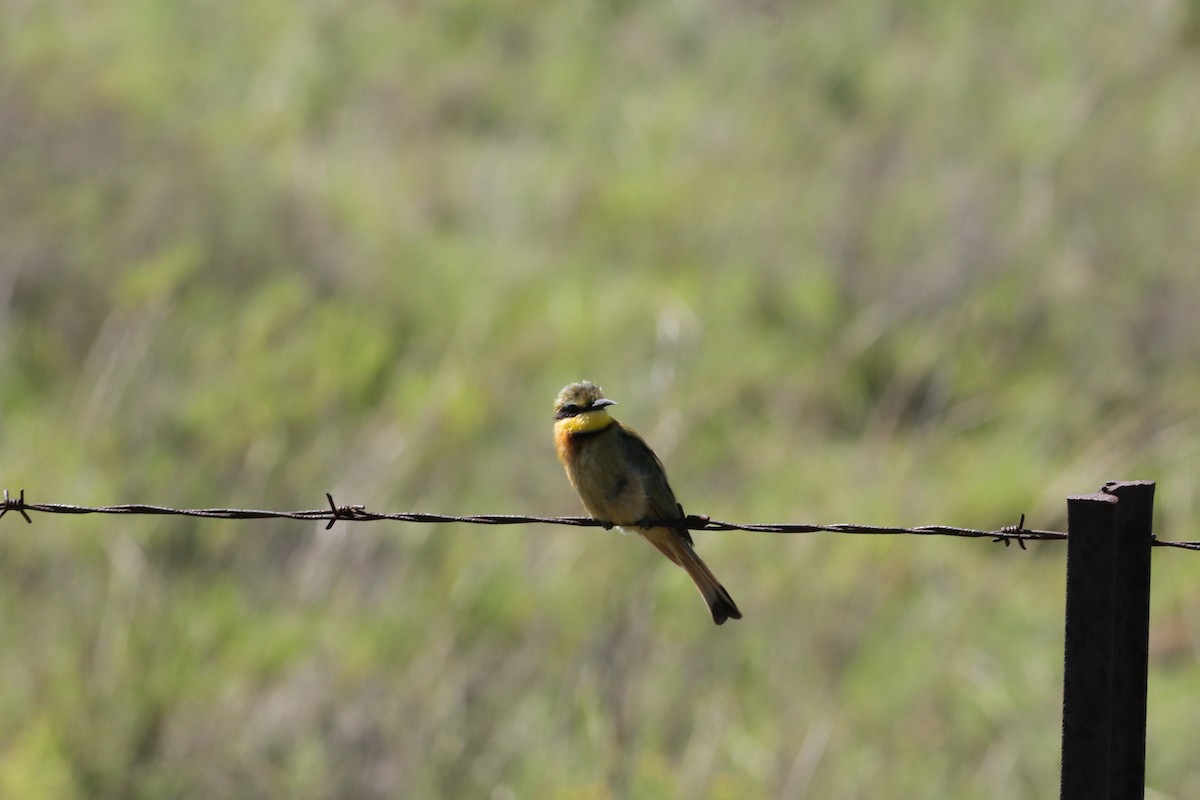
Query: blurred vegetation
point(853, 262)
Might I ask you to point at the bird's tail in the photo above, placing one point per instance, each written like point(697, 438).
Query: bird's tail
point(719, 602)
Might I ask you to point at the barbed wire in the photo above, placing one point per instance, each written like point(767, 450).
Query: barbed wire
point(697, 522)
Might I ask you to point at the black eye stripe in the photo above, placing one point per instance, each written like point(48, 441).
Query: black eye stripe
point(568, 410)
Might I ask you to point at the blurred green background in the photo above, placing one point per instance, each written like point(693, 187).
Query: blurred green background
point(862, 262)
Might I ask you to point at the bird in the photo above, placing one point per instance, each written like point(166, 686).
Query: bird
point(622, 482)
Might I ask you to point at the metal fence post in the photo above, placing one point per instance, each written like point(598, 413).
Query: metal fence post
point(1131, 632)
point(1088, 653)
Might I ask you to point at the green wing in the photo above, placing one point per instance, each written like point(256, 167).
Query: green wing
point(663, 504)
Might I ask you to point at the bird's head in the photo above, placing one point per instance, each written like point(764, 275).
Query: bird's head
point(581, 407)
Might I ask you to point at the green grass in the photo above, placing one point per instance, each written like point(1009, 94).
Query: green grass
point(840, 263)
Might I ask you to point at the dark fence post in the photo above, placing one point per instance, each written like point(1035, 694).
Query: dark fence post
point(1131, 636)
point(1088, 657)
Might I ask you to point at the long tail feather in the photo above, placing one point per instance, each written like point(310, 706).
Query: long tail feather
point(675, 548)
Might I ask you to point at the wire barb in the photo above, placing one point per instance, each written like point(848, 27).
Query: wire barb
point(1011, 529)
point(349, 513)
point(17, 505)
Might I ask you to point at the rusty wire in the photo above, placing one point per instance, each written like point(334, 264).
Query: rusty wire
point(356, 513)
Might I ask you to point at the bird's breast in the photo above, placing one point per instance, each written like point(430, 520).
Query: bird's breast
point(611, 488)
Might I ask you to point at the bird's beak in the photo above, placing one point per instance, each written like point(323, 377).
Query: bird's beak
point(601, 403)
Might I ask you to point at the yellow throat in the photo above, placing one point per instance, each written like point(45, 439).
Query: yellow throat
point(587, 422)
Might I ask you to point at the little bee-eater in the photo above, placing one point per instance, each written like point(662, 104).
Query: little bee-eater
point(621, 481)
